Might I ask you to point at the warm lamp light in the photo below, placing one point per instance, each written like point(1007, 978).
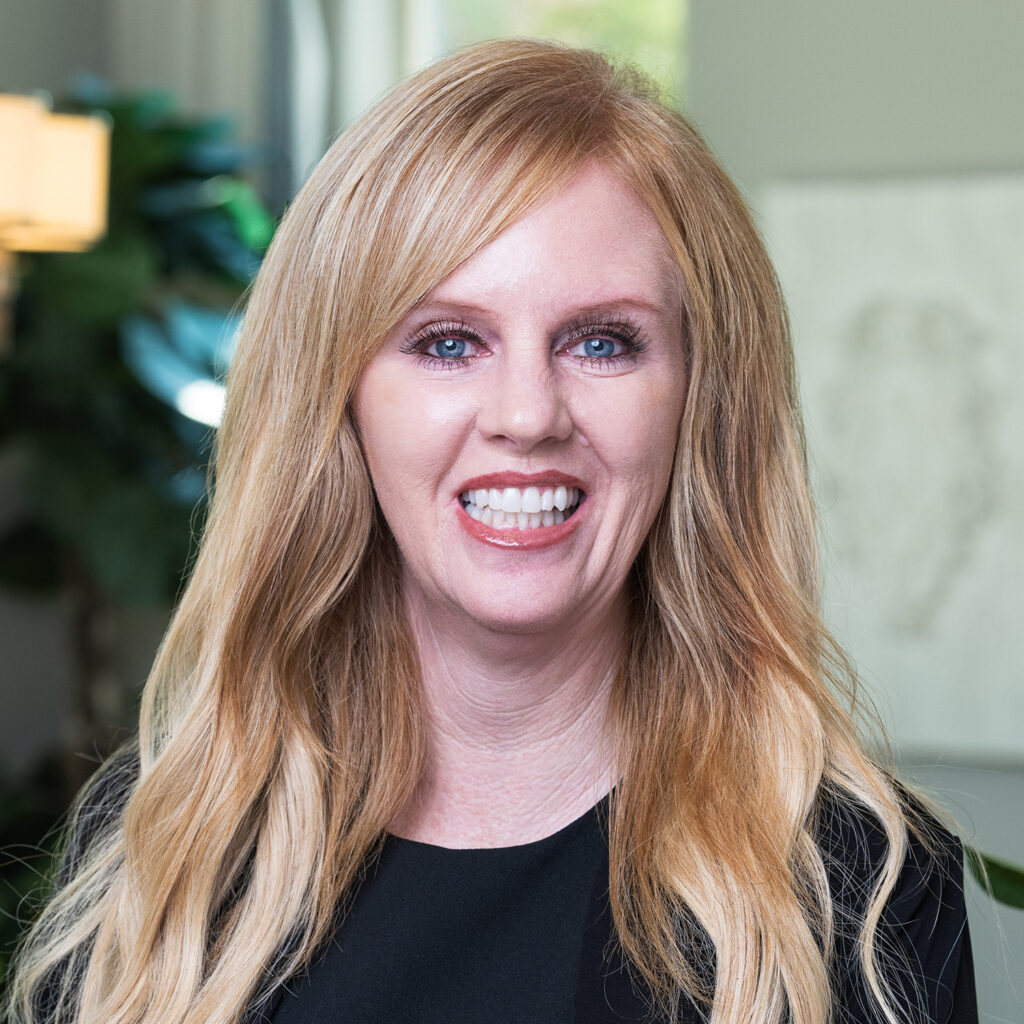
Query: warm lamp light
point(53, 186)
point(18, 116)
point(53, 177)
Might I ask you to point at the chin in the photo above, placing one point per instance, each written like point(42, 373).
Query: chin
point(508, 617)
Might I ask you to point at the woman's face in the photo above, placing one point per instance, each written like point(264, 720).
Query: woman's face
point(520, 424)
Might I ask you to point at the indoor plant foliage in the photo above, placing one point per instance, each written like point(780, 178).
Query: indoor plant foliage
point(106, 474)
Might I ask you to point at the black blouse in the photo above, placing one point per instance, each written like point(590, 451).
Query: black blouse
point(523, 935)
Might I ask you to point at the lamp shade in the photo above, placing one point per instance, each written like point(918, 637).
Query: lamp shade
point(19, 116)
point(53, 177)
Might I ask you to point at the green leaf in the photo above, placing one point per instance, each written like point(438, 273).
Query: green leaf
point(137, 545)
point(1005, 881)
point(132, 538)
point(105, 458)
point(67, 479)
point(253, 223)
point(30, 558)
point(101, 286)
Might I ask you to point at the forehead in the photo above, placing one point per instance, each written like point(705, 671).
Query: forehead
point(594, 237)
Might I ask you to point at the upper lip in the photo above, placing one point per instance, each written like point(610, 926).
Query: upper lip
point(510, 478)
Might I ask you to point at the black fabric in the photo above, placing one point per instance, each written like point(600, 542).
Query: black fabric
point(923, 930)
point(524, 934)
point(437, 936)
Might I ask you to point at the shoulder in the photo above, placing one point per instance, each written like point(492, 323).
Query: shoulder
point(922, 942)
point(854, 847)
point(98, 808)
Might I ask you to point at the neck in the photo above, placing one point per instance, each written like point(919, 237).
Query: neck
point(517, 737)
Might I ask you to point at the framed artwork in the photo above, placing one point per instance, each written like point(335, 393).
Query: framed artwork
point(907, 303)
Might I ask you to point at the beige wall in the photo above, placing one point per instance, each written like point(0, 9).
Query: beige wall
point(858, 87)
point(209, 53)
point(43, 43)
point(889, 138)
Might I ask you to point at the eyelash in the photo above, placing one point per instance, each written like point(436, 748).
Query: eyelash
point(620, 330)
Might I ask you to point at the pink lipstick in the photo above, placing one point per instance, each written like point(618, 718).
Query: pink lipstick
point(561, 495)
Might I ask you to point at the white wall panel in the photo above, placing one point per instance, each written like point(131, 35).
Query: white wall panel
point(907, 299)
point(209, 53)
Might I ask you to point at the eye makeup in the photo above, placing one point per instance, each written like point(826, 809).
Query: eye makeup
point(620, 331)
point(439, 332)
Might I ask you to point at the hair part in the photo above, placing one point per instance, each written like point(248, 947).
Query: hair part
point(280, 730)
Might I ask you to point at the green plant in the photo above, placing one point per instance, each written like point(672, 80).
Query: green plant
point(106, 472)
point(109, 475)
point(1002, 880)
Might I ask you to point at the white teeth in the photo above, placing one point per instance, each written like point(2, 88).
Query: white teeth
point(525, 509)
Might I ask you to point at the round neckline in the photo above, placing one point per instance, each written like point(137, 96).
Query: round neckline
point(595, 811)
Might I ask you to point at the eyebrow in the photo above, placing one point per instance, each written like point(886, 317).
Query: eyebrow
point(603, 307)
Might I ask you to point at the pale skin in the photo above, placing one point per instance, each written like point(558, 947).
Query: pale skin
point(518, 648)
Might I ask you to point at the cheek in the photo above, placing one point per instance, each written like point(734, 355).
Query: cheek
point(410, 432)
point(637, 433)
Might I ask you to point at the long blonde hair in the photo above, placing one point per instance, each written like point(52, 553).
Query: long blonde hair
point(280, 729)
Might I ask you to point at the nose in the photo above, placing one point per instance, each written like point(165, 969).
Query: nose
point(525, 403)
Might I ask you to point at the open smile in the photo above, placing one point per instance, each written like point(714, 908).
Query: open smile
point(526, 508)
point(521, 518)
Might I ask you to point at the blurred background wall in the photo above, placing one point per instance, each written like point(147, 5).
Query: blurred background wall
point(882, 149)
point(802, 88)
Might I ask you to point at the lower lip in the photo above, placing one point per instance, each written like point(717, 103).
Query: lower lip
point(520, 540)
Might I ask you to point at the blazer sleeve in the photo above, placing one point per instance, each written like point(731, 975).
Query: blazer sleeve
point(923, 936)
point(100, 807)
point(927, 914)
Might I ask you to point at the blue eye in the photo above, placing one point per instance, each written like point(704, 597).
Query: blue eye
point(605, 346)
point(451, 348)
point(446, 346)
point(599, 347)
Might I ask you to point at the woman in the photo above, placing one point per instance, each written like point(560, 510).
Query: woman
point(503, 641)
